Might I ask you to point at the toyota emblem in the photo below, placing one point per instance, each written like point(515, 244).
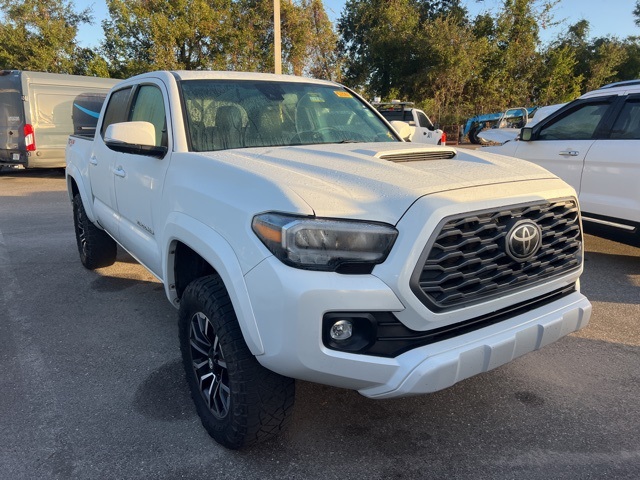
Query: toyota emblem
point(523, 240)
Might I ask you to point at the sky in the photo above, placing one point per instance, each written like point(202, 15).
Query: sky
point(611, 17)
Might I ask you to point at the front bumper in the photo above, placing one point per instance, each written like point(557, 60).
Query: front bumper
point(289, 305)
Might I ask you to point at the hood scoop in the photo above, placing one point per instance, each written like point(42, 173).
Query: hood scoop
point(440, 153)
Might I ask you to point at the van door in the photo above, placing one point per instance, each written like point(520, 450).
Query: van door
point(611, 177)
point(12, 147)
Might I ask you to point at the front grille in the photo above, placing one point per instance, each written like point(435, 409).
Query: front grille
point(436, 154)
point(467, 261)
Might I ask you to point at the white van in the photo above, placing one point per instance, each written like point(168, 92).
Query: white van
point(38, 112)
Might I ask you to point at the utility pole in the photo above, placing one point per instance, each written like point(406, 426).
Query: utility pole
point(277, 44)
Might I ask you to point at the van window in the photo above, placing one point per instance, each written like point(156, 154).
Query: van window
point(11, 105)
point(116, 110)
point(149, 107)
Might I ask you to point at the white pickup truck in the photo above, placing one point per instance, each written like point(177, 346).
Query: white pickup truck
point(301, 238)
point(422, 129)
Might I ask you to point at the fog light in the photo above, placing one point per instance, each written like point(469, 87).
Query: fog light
point(341, 330)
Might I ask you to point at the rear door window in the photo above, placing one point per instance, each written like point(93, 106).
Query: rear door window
point(627, 125)
point(11, 110)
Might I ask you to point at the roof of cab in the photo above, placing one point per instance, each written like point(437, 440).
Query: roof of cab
point(220, 75)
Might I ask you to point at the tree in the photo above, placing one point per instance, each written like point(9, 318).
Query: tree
point(449, 64)
point(558, 82)
point(322, 43)
point(41, 35)
point(378, 41)
point(142, 35)
point(597, 61)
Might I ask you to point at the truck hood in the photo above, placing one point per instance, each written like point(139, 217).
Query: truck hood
point(375, 181)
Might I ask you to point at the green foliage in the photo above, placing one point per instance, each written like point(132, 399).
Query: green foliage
point(427, 51)
point(41, 35)
point(143, 35)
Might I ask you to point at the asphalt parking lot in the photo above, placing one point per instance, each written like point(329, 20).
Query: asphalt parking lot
point(91, 384)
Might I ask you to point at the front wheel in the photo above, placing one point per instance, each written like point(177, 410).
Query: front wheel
point(238, 400)
point(96, 248)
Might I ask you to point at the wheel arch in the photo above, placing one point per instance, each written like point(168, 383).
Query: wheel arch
point(75, 186)
point(194, 250)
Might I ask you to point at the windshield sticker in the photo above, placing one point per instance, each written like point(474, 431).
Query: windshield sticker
point(315, 98)
point(342, 94)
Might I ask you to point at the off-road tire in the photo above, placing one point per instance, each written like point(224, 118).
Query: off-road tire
point(239, 402)
point(96, 248)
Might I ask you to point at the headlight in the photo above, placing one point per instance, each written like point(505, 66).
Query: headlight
point(325, 244)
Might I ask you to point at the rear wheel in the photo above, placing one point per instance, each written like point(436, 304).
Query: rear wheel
point(96, 248)
point(238, 400)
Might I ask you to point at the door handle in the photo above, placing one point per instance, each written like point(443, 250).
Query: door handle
point(93, 160)
point(119, 172)
point(571, 153)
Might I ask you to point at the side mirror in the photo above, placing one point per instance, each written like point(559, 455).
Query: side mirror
point(526, 134)
point(138, 138)
point(403, 129)
point(134, 133)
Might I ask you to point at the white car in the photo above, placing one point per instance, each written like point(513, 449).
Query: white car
point(503, 133)
point(592, 143)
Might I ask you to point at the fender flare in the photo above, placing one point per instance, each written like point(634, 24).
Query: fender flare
point(73, 174)
point(215, 249)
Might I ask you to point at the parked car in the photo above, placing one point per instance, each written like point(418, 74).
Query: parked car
point(513, 117)
point(507, 130)
point(593, 143)
point(422, 128)
point(301, 238)
point(38, 112)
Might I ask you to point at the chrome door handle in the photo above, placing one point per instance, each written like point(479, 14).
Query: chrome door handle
point(93, 160)
point(571, 153)
point(119, 172)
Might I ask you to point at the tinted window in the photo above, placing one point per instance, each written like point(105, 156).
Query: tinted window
point(627, 124)
point(11, 105)
point(424, 121)
point(579, 123)
point(116, 109)
point(222, 114)
point(149, 107)
point(86, 111)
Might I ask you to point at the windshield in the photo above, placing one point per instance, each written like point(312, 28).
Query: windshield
point(224, 114)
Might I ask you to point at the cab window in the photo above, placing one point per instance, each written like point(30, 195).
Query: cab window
point(424, 121)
